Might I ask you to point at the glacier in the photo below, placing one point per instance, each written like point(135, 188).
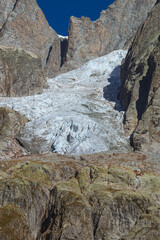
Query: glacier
point(78, 113)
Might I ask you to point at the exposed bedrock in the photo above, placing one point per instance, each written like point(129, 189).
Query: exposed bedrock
point(111, 31)
point(21, 73)
point(23, 25)
point(46, 197)
point(11, 123)
point(140, 92)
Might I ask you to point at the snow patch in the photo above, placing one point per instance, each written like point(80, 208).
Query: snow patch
point(63, 37)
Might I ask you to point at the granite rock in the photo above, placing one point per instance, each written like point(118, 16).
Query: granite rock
point(140, 90)
point(116, 26)
point(20, 73)
point(23, 25)
point(11, 122)
point(88, 197)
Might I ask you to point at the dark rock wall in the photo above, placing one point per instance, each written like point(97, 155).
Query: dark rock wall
point(140, 92)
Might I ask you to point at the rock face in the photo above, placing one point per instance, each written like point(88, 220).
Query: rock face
point(111, 31)
point(11, 123)
point(46, 197)
point(23, 25)
point(140, 90)
point(20, 73)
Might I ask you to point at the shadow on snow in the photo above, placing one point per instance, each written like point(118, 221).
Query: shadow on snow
point(111, 91)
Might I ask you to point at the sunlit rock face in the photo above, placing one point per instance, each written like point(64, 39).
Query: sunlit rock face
point(20, 73)
point(23, 25)
point(114, 29)
point(78, 113)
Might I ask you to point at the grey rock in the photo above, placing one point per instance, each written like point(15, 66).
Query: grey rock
point(20, 73)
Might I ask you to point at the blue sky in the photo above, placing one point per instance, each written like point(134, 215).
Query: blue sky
point(58, 12)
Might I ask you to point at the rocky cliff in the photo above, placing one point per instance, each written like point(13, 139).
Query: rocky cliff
point(111, 31)
point(91, 197)
point(21, 73)
point(23, 25)
point(46, 197)
point(140, 90)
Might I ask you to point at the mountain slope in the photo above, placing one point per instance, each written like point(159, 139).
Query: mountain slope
point(140, 90)
point(115, 27)
point(46, 197)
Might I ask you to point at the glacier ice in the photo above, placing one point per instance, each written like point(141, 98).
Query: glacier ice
point(79, 112)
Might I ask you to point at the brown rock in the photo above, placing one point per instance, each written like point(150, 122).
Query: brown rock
point(11, 123)
point(111, 31)
point(23, 25)
point(140, 90)
point(53, 61)
point(91, 197)
point(20, 73)
point(10, 148)
point(13, 224)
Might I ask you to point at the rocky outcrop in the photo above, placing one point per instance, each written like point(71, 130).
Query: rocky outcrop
point(89, 197)
point(20, 73)
point(10, 147)
point(23, 25)
point(140, 90)
point(11, 123)
point(111, 31)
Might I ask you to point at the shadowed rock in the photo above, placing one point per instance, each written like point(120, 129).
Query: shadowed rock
point(140, 90)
